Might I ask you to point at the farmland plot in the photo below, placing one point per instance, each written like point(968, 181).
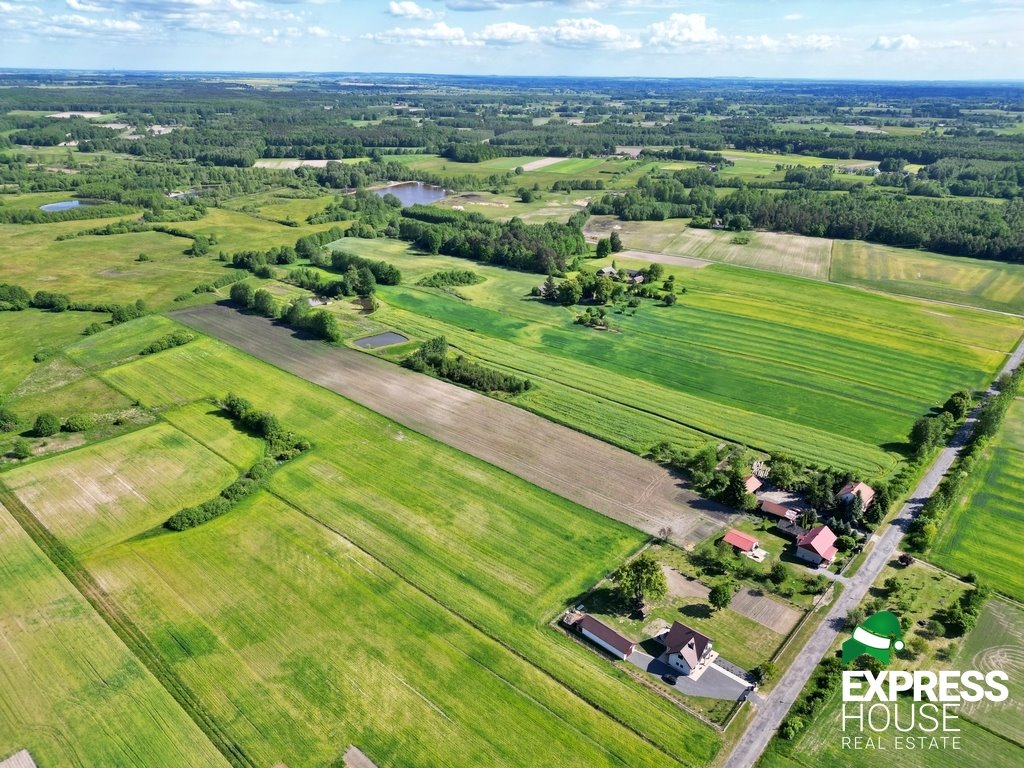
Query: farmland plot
point(121, 487)
point(70, 692)
point(439, 519)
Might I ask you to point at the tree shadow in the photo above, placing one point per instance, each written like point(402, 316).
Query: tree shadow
point(696, 610)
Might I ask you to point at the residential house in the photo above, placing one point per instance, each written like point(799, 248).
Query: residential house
point(817, 546)
point(850, 491)
point(687, 648)
point(600, 634)
point(752, 484)
point(607, 272)
point(633, 276)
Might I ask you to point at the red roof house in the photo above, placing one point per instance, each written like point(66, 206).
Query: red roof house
point(752, 484)
point(867, 493)
point(817, 546)
point(740, 540)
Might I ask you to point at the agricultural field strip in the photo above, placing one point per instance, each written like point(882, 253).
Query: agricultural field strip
point(156, 376)
point(432, 708)
point(556, 458)
point(87, 587)
point(704, 416)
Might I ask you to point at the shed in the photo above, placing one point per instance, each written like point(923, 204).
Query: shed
point(604, 636)
point(740, 540)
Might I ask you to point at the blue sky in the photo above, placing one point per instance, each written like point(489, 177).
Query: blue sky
point(958, 39)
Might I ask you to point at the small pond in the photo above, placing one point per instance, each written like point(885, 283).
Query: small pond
point(63, 205)
point(380, 340)
point(414, 192)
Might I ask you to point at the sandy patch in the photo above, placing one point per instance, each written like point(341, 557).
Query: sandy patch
point(663, 258)
point(765, 610)
point(68, 115)
point(680, 586)
point(544, 162)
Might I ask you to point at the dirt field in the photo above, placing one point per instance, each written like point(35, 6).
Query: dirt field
point(606, 479)
point(766, 611)
point(664, 258)
point(544, 162)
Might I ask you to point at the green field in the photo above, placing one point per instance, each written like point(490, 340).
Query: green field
point(110, 491)
point(778, 363)
point(987, 284)
point(431, 526)
point(902, 271)
point(996, 644)
point(70, 692)
point(752, 165)
point(974, 533)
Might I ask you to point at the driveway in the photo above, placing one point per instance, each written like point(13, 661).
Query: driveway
point(714, 683)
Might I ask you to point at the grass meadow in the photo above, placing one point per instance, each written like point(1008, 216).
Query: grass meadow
point(70, 691)
point(974, 534)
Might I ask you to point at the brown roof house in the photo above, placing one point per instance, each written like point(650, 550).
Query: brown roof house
point(867, 493)
point(600, 634)
point(752, 483)
point(687, 649)
point(817, 546)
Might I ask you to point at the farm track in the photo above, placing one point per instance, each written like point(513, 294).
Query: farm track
point(580, 468)
point(122, 626)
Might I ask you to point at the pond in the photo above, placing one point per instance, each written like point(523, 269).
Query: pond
point(63, 205)
point(414, 192)
point(380, 340)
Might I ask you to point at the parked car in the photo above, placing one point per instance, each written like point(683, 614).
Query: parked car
point(670, 679)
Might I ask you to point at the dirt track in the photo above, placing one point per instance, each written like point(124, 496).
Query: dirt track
point(590, 472)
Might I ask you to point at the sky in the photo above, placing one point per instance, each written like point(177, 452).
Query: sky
point(849, 39)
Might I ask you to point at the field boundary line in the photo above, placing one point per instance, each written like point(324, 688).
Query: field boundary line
point(124, 628)
point(470, 622)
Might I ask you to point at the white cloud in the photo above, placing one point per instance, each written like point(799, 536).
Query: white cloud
point(317, 32)
point(900, 43)
point(793, 16)
point(508, 33)
point(410, 10)
point(585, 33)
point(77, 5)
point(811, 42)
point(683, 29)
point(438, 33)
point(911, 43)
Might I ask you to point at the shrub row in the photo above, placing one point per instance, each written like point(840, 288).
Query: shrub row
point(432, 357)
point(175, 339)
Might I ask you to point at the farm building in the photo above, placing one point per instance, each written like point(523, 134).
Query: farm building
point(781, 511)
point(607, 272)
point(600, 634)
point(752, 484)
point(688, 650)
point(20, 759)
point(850, 490)
point(745, 544)
point(633, 276)
point(817, 546)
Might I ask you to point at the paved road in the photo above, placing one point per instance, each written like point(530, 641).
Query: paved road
point(583, 469)
point(772, 711)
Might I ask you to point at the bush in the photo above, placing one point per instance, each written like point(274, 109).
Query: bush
point(57, 302)
point(21, 449)
point(13, 297)
point(8, 420)
point(78, 423)
point(242, 294)
point(46, 425)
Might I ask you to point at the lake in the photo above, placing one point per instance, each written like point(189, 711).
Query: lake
point(63, 205)
point(414, 192)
